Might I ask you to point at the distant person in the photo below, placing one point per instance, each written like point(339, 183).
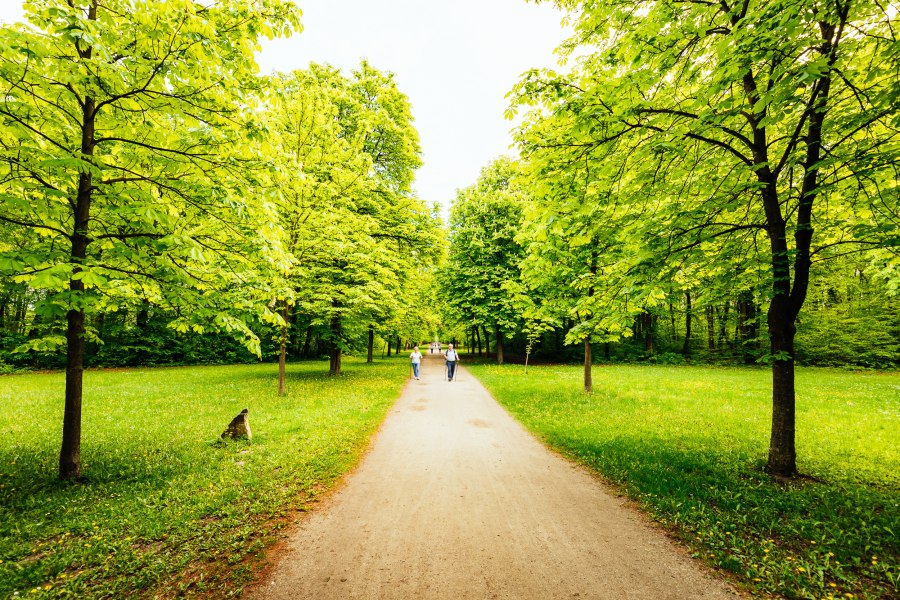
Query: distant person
point(452, 358)
point(416, 358)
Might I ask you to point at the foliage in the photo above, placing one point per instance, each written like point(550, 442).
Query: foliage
point(167, 508)
point(851, 318)
point(113, 114)
point(719, 146)
point(129, 162)
point(347, 151)
point(483, 257)
point(688, 444)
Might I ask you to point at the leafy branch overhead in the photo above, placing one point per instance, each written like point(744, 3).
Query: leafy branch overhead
point(713, 145)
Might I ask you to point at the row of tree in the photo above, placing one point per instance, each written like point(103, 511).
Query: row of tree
point(700, 156)
point(150, 176)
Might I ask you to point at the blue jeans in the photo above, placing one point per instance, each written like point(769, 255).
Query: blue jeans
point(416, 370)
point(451, 369)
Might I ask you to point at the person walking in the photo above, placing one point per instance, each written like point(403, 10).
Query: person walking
point(416, 358)
point(452, 358)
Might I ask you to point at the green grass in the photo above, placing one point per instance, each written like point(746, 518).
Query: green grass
point(167, 509)
point(690, 443)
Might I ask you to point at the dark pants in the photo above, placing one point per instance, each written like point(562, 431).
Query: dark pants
point(451, 369)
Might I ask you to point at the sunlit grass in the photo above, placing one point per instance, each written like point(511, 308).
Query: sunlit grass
point(166, 508)
point(690, 443)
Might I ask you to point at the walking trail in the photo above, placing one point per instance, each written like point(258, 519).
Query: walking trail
point(455, 500)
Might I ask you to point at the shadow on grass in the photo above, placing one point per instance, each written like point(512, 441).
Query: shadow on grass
point(735, 516)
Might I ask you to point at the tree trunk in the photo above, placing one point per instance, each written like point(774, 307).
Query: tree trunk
point(672, 322)
point(782, 451)
point(309, 332)
point(686, 349)
point(588, 380)
point(369, 357)
point(142, 318)
point(746, 334)
point(282, 354)
point(295, 336)
point(478, 338)
point(498, 344)
point(336, 330)
point(606, 351)
point(388, 344)
point(487, 340)
point(710, 328)
point(70, 452)
point(723, 325)
point(398, 345)
point(647, 332)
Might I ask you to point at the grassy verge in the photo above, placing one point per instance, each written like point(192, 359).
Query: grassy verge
point(689, 444)
point(166, 508)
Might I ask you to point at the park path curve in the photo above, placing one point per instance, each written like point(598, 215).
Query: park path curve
point(455, 500)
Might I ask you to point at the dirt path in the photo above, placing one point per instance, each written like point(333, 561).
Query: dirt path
point(456, 500)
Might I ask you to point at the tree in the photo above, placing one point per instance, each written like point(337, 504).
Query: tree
point(732, 130)
point(347, 152)
point(127, 141)
point(484, 254)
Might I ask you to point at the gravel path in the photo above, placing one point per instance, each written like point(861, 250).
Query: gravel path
point(456, 500)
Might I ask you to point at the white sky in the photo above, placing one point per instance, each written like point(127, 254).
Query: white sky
point(455, 59)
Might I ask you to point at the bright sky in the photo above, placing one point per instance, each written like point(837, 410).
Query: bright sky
point(455, 59)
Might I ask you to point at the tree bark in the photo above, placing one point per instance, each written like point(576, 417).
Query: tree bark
point(588, 380)
point(398, 345)
point(282, 354)
point(70, 451)
point(686, 349)
point(142, 318)
point(487, 340)
point(746, 328)
point(478, 338)
point(710, 328)
point(647, 332)
point(335, 363)
point(498, 344)
point(782, 452)
point(672, 322)
point(308, 341)
point(723, 325)
point(369, 357)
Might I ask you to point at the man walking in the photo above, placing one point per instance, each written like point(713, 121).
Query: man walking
point(451, 357)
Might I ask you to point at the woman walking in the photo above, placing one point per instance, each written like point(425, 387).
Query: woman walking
point(416, 358)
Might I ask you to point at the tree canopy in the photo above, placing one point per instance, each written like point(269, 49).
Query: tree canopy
point(706, 142)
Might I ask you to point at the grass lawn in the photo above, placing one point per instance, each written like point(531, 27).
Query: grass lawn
point(689, 445)
point(166, 508)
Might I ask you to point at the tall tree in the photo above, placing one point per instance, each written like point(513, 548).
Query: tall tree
point(126, 139)
point(732, 129)
point(348, 151)
point(484, 253)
